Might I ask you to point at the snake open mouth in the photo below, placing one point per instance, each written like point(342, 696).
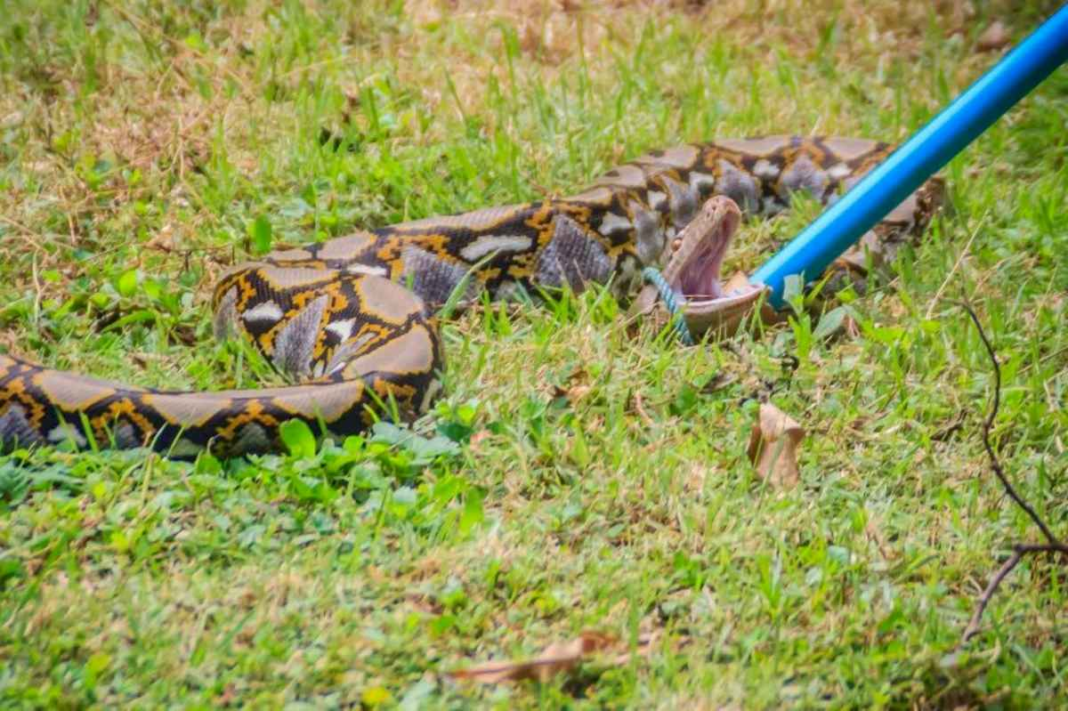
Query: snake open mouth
point(699, 276)
point(693, 271)
point(695, 266)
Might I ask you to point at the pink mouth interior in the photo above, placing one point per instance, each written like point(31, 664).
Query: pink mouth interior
point(700, 277)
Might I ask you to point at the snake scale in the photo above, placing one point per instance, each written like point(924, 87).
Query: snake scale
point(353, 319)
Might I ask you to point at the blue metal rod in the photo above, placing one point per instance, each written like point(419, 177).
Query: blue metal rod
point(920, 157)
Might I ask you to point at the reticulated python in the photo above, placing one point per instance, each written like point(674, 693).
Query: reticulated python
point(353, 318)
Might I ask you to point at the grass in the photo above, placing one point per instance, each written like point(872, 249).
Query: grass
point(144, 146)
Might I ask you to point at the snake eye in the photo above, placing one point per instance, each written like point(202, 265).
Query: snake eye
point(675, 244)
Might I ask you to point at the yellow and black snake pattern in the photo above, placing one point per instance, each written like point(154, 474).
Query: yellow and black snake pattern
point(353, 319)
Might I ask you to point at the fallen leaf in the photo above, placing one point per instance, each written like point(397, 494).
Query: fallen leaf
point(162, 240)
point(477, 438)
point(554, 659)
point(993, 38)
point(577, 392)
point(717, 382)
point(576, 387)
point(639, 407)
point(851, 327)
point(695, 479)
point(773, 446)
point(228, 696)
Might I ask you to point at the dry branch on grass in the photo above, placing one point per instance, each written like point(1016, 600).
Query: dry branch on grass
point(1019, 550)
point(555, 659)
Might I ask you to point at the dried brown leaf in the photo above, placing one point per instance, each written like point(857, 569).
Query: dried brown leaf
point(696, 477)
point(994, 37)
point(162, 240)
point(555, 659)
point(576, 393)
point(228, 696)
point(477, 438)
point(773, 446)
point(576, 388)
point(850, 327)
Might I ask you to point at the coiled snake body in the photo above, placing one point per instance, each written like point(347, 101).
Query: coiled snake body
point(353, 318)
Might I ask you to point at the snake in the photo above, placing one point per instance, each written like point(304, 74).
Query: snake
point(353, 322)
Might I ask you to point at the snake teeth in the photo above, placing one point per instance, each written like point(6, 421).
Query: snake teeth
point(698, 252)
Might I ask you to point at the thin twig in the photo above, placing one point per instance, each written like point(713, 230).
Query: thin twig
point(973, 625)
point(989, 423)
point(1053, 544)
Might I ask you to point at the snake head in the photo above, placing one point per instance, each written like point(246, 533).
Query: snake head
point(692, 266)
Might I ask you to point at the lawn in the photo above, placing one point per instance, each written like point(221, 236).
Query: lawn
point(575, 476)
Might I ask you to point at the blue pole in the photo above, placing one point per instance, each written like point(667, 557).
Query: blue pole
point(887, 185)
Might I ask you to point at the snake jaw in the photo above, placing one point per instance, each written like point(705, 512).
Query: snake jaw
point(693, 270)
point(699, 277)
